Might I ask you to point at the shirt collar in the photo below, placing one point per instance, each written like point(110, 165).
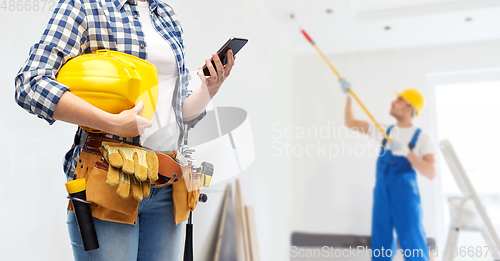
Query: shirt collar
point(120, 3)
point(153, 5)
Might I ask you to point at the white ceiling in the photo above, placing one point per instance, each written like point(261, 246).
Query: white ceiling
point(364, 5)
point(358, 25)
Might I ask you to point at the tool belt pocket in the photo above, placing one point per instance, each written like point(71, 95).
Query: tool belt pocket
point(106, 204)
point(104, 195)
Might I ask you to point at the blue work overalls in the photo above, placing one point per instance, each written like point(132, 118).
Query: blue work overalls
point(396, 205)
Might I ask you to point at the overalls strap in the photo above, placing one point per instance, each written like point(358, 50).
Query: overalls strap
point(413, 141)
point(384, 141)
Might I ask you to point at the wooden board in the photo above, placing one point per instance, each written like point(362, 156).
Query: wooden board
point(252, 233)
point(226, 240)
point(242, 224)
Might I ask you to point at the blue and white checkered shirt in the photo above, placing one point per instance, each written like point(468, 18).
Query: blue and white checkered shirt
point(84, 26)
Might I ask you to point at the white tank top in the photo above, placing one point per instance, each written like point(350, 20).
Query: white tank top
point(164, 133)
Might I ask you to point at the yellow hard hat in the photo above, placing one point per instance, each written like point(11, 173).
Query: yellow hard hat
point(112, 81)
point(415, 98)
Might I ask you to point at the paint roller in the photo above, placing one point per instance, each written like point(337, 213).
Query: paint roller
point(310, 40)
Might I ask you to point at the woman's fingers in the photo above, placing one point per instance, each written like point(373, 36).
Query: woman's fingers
point(218, 65)
point(217, 77)
point(142, 124)
point(230, 63)
point(138, 107)
point(211, 69)
point(202, 76)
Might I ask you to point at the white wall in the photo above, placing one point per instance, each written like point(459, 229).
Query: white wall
point(335, 196)
point(33, 220)
point(277, 88)
point(261, 83)
point(33, 151)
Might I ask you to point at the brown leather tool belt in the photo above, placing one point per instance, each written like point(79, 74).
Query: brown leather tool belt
point(169, 170)
point(105, 203)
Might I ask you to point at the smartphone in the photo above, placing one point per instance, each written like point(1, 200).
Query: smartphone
point(234, 44)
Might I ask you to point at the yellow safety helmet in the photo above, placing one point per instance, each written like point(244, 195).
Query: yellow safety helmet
point(112, 81)
point(415, 98)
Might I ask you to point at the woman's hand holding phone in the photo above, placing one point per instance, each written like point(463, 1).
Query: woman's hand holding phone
point(216, 78)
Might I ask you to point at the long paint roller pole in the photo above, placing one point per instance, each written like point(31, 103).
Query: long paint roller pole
point(310, 40)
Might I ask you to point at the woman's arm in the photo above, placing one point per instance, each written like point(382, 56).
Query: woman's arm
point(73, 109)
point(196, 103)
point(39, 93)
point(36, 89)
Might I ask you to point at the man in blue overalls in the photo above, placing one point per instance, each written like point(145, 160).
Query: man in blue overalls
point(396, 202)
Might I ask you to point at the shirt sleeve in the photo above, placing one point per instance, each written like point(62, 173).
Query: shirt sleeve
point(186, 76)
point(425, 145)
point(35, 87)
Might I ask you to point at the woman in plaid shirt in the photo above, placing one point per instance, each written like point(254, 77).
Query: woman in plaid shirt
point(84, 26)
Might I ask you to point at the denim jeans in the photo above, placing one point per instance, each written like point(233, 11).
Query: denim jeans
point(155, 237)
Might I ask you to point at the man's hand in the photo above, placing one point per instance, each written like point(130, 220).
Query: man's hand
point(345, 86)
point(214, 82)
point(424, 165)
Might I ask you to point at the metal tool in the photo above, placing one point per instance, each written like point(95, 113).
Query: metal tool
point(204, 171)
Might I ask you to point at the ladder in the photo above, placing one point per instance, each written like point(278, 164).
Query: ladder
point(469, 194)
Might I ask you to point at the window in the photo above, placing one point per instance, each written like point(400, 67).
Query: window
point(468, 116)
